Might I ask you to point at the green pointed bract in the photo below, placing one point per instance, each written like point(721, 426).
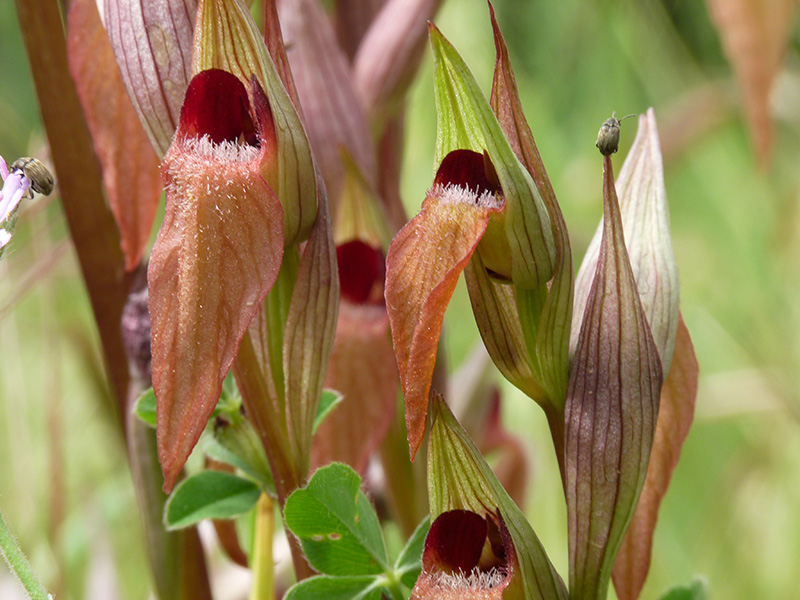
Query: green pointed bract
point(460, 479)
point(227, 38)
point(519, 244)
point(549, 340)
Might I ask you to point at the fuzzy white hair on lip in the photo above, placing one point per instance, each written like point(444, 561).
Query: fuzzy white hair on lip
point(225, 151)
point(476, 580)
point(450, 193)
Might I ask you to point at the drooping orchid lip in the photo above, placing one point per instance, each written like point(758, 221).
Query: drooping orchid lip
point(422, 268)
point(361, 272)
point(221, 241)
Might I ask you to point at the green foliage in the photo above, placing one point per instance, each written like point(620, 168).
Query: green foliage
point(329, 400)
point(209, 495)
point(337, 527)
point(694, 591)
point(145, 407)
point(229, 403)
point(341, 536)
point(328, 587)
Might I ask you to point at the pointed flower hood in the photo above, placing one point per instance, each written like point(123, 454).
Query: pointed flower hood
point(483, 200)
point(217, 255)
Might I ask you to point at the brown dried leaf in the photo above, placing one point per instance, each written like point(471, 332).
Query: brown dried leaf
point(755, 35)
point(675, 415)
point(129, 163)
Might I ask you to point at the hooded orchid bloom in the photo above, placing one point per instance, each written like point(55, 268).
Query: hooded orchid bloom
point(479, 545)
point(217, 255)
point(241, 186)
point(483, 206)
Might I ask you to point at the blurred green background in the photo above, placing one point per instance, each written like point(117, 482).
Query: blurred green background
point(732, 515)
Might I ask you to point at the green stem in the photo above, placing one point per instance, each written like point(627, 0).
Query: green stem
point(262, 563)
point(254, 386)
point(19, 565)
point(393, 587)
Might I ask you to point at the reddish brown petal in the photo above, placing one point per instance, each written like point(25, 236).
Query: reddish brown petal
point(361, 270)
point(217, 255)
point(333, 115)
point(452, 563)
point(675, 415)
point(755, 35)
point(217, 105)
point(364, 370)
point(130, 165)
point(422, 268)
point(389, 55)
point(455, 541)
point(610, 412)
point(152, 41)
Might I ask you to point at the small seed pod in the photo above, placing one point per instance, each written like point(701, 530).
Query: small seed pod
point(608, 136)
point(41, 179)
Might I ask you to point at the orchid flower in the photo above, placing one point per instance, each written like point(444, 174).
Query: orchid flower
point(240, 185)
point(483, 206)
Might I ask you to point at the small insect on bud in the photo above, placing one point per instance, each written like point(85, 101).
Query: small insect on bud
point(608, 136)
point(34, 170)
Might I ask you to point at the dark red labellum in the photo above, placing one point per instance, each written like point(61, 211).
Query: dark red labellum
point(462, 541)
point(361, 272)
point(216, 105)
point(468, 169)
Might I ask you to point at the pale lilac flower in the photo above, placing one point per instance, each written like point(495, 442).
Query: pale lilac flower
point(15, 186)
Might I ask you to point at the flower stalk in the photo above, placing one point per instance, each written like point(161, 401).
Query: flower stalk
point(19, 565)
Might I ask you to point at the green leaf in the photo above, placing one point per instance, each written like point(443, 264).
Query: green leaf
point(338, 529)
point(694, 591)
point(328, 400)
point(409, 563)
point(256, 469)
point(325, 587)
point(209, 495)
point(229, 404)
point(145, 407)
